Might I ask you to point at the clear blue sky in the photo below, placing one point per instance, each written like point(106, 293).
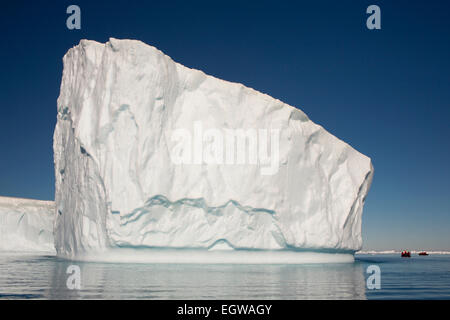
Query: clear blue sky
point(385, 92)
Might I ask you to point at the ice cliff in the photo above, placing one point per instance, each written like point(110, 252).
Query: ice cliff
point(132, 172)
point(26, 225)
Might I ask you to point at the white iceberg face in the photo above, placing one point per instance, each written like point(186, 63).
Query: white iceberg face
point(149, 153)
point(26, 225)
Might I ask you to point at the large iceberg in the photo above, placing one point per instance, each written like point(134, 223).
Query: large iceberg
point(26, 225)
point(152, 154)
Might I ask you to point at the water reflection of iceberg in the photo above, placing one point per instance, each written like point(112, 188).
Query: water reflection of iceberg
point(196, 281)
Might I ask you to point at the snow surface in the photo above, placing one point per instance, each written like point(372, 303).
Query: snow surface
point(117, 187)
point(26, 225)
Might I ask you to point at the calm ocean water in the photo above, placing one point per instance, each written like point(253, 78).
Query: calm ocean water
point(45, 277)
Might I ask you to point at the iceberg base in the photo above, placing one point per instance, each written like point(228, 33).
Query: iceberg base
point(192, 256)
